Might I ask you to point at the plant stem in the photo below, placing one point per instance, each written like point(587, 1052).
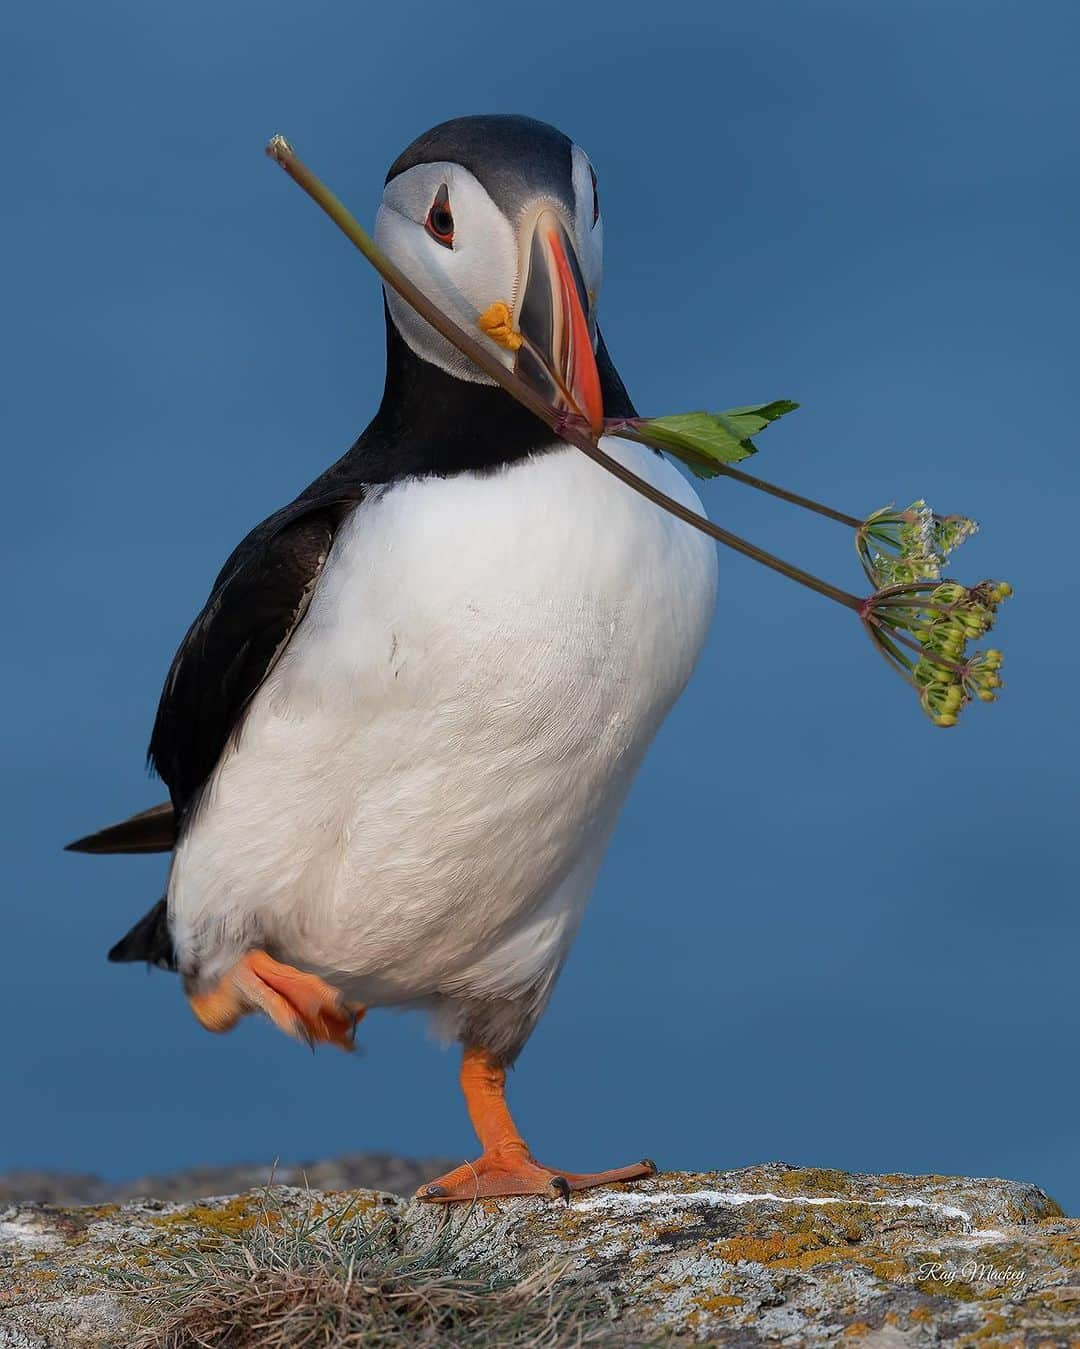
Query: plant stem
point(925, 653)
point(630, 430)
point(916, 606)
point(901, 589)
point(886, 647)
point(282, 152)
point(818, 507)
point(723, 536)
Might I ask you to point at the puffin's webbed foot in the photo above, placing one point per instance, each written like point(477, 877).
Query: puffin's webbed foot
point(506, 1165)
point(300, 1004)
point(509, 1171)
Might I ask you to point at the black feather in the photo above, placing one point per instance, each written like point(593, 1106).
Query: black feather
point(152, 830)
point(148, 940)
point(257, 602)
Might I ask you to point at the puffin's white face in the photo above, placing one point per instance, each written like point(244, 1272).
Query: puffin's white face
point(447, 234)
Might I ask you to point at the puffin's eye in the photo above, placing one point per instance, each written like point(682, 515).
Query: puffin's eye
point(440, 219)
point(595, 197)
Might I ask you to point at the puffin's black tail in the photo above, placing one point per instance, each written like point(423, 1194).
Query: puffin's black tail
point(148, 940)
point(152, 830)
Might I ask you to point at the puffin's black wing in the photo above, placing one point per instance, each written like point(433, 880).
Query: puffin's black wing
point(152, 830)
point(255, 606)
point(148, 940)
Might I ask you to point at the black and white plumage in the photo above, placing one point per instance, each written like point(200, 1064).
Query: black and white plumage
point(398, 735)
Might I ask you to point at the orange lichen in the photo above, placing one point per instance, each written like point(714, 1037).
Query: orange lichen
point(767, 1250)
point(992, 1326)
point(716, 1304)
point(230, 1220)
point(815, 1181)
point(823, 1256)
point(805, 1249)
point(939, 1288)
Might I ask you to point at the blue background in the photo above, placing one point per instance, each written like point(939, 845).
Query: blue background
point(826, 931)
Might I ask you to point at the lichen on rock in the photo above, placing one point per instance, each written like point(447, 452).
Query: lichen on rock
point(769, 1254)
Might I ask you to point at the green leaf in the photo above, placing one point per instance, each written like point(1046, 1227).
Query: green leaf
point(704, 440)
point(757, 416)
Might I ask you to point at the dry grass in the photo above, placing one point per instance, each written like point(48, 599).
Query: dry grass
point(349, 1280)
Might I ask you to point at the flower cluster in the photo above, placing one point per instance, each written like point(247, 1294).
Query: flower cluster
point(902, 547)
point(935, 623)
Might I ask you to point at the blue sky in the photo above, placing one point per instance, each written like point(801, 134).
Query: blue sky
point(826, 932)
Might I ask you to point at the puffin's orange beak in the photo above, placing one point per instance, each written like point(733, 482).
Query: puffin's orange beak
point(556, 356)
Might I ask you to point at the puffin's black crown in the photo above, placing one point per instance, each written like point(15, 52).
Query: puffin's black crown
point(515, 158)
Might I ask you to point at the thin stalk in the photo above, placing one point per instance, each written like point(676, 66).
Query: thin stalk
point(918, 606)
point(796, 499)
point(629, 430)
point(723, 536)
point(925, 653)
point(901, 590)
point(282, 152)
point(881, 641)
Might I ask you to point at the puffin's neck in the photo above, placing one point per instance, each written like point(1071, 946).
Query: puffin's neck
point(431, 423)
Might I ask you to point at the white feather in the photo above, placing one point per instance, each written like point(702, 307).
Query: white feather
point(425, 784)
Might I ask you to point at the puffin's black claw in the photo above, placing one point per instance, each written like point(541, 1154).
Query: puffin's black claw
point(653, 1168)
point(434, 1191)
point(560, 1188)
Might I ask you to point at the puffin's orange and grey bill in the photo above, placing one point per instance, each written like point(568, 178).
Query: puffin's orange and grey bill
point(556, 357)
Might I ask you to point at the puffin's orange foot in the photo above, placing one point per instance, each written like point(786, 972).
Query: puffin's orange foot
point(302, 1005)
point(508, 1171)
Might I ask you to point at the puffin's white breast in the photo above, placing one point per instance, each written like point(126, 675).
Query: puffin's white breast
point(425, 784)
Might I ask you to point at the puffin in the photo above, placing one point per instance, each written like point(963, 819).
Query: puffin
point(398, 735)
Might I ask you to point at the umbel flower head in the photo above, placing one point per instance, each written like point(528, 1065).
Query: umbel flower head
point(921, 624)
point(898, 547)
point(923, 630)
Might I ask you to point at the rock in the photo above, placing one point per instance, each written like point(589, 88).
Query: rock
point(779, 1254)
point(767, 1255)
point(353, 1171)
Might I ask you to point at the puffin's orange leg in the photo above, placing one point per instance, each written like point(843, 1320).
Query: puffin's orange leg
point(302, 1005)
point(506, 1166)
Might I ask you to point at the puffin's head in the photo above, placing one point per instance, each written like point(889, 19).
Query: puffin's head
point(501, 210)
